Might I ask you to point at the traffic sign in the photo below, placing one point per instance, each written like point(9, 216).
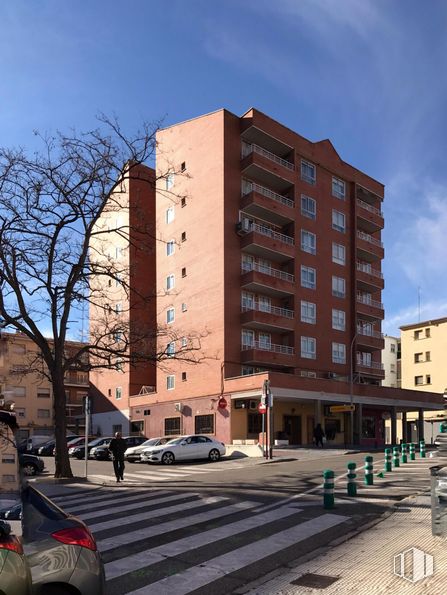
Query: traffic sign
point(262, 408)
point(222, 403)
point(341, 408)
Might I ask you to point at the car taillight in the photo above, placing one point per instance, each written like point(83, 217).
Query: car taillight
point(76, 536)
point(12, 544)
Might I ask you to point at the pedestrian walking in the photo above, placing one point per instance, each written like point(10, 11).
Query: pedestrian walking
point(118, 447)
point(318, 435)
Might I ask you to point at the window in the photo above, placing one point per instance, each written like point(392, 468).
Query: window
point(19, 391)
point(170, 282)
point(428, 379)
point(43, 413)
point(184, 307)
point(118, 392)
point(184, 342)
point(308, 172)
point(338, 320)
point(265, 341)
point(183, 236)
point(338, 253)
point(393, 348)
point(338, 188)
point(308, 207)
point(308, 312)
point(172, 426)
point(183, 202)
point(204, 424)
point(43, 393)
point(368, 427)
point(146, 412)
point(392, 368)
point(118, 252)
point(308, 277)
point(417, 335)
point(119, 366)
point(169, 181)
point(247, 370)
point(364, 359)
point(183, 166)
point(170, 315)
point(417, 358)
point(265, 303)
point(427, 333)
point(170, 215)
point(418, 380)
point(184, 378)
point(8, 459)
point(20, 411)
point(308, 242)
point(248, 338)
point(248, 262)
point(117, 428)
point(308, 347)
point(427, 356)
point(338, 221)
point(184, 272)
point(338, 287)
point(170, 248)
point(170, 349)
point(170, 382)
point(338, 353)
point(118, 308)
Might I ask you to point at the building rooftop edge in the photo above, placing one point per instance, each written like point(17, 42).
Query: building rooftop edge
point(431, 322)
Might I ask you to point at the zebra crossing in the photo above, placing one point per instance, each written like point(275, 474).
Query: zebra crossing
point(166, 541)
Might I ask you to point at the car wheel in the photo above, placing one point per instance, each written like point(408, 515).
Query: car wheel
point(29, 469)
point(214, 455)
point(168, 458)
point(57, 590)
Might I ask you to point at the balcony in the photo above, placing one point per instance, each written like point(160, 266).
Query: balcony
point(370, 218)
point(267, 168)
point(267, 317)
point(268, 354)
point(263, 203)
point(369, 308)
point(74, 379)
point(263, 241)
point(368, 247)
point(369, 368)
point(368, 277)
point(369, 339)
point(269, 281)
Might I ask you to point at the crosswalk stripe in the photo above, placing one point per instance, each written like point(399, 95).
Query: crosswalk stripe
point(159, 512)
point(133, 518)
point(209, 515)
point(118, 495)
point(160, 553)
point(203, 574)
point(111, 500)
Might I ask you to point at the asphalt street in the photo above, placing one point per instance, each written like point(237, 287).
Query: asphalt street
point(220, 528)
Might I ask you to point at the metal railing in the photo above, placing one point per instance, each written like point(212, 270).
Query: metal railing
point(369, 208)
point(260, 268)
point(268, 347)
point(363, 299)
point(372, 365)
point(269, 309)
point(248, 148)
point(248, 187)
point(366, 332)
point(368, 238)
point(267, 231)
point(365, 267)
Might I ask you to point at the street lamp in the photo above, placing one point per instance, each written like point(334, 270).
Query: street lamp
point(351, 381)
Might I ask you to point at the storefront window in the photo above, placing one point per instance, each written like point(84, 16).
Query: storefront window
point(368, 427)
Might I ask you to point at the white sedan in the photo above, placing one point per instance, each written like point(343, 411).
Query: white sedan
point(194, 446)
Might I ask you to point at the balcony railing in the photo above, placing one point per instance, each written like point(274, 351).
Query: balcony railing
point(367, 238)
point(248, 187)
point(365, 267)
point(262, 268)
point(363, 299)
point(248, 148)
point(372, 365)
point(369, 208)
point(366, 332)
point(267, 231)
point(260, 307)
point(261, 345)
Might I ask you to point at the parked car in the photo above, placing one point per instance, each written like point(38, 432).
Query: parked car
point(132, 454)
point(100, 449)
point(75, 443)
point(15, 575)
point(33, 443)
point(60, 549)
point(194, 446)
point(30, 464)
point(11, 512)
point(102, 452)
point(79, 451)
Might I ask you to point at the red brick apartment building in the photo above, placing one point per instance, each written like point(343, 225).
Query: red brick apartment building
point(274, 254)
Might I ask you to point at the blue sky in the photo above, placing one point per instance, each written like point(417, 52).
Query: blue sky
point(368, 74)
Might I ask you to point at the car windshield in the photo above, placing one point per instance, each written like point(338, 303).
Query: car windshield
point(96, 442)
point(177, 440)
point(151, 442)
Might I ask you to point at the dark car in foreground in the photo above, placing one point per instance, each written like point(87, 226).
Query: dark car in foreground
point(30, 464)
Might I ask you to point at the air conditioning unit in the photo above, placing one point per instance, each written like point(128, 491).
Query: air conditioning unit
point(253, 405)
point(331, 375)
point(178, 407)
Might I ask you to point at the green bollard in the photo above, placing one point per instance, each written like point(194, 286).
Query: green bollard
point(412, 453)
point(388, 466)
point(404, 453)
point(328, 489)
point(351, 485)
point(396, 461)
point(369, 477)
point(422, 449)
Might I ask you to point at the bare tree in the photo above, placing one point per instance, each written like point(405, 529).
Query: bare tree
point(60, 211)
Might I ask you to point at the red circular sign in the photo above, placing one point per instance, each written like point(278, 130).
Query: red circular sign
point(262, 408)
point(222, 404)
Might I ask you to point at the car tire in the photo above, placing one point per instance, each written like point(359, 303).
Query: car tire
point(214, 455)
point(168, 458)
point(57, 590)
point(29, 469)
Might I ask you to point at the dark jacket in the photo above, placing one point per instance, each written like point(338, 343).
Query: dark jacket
point(118, 447)
point(318, 432)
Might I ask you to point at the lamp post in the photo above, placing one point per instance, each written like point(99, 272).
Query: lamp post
point(351, 382)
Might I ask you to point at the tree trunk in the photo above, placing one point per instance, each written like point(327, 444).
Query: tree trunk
point(62, 461)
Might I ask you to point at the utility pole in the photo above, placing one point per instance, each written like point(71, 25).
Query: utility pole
point(87, 430)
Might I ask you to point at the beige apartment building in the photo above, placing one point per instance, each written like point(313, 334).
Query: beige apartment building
point(32, 394)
